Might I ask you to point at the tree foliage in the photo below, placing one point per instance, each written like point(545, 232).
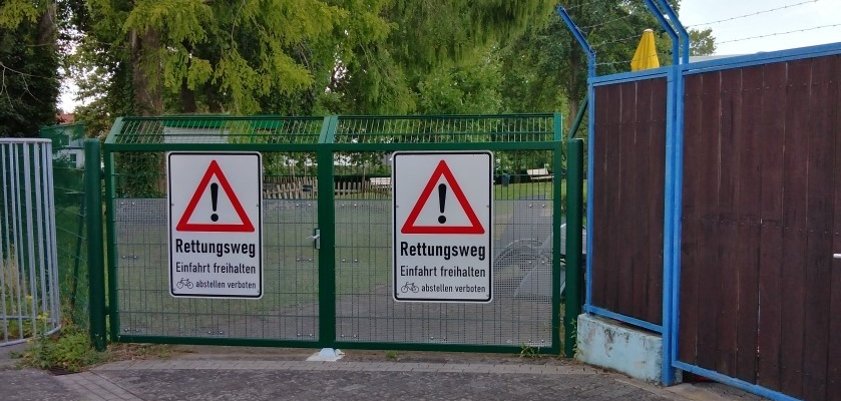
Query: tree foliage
point(304, 56)
point(545, 68)
point(29, 64)
point(349, 56)
point(228, 56)
point(701, 43)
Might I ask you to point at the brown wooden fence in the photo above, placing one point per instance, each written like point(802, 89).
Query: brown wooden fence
point(760, 291)
point(628, 190)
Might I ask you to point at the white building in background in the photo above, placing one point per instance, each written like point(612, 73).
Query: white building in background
point(68, 142)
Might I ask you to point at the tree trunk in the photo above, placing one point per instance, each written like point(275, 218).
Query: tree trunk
point(148, 101)
point(146, 72)
point(188, 98)
point(47, 29)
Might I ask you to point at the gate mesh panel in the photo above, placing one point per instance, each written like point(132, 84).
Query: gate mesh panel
point(288, 309)
point(520, 314)
point(526, 147)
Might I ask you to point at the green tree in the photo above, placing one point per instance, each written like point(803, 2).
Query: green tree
point(428, 39)
point(29, 62)
point(244, 57)
point(545, 68)
point(471, 88)
point(701, 43)
point(287, 56)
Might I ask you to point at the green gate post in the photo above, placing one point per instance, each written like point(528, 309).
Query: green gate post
point(96, 255)
point(327, 233)
point(575, 201)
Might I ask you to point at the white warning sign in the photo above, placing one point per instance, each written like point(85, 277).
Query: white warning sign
point(442, 226)
point(215, 225)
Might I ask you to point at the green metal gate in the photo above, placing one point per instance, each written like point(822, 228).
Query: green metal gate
point(329, 179)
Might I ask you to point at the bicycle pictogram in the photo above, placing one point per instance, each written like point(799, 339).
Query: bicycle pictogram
point(184, 282)
point(409, 287)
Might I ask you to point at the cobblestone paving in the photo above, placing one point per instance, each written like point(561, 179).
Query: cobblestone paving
point(256, 374)
point(200, 379)
point(32, 385)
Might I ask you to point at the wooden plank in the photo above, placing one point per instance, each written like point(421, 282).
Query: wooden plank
point(635, 181)
point(709, 257)
point(728, 297)
point(602, 142)
point(795, 204)
point(819, 222)
point(614, 200)
point(747, 237)
point(690, 241)
point(833, 383)
point(622, 231)
point(771, 218)
point(657, 179)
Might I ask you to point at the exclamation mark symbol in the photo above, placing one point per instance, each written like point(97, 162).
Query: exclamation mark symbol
point(214, 194)
point(442, 199)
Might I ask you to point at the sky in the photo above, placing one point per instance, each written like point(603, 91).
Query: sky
point(777, 18)
point(799, 15)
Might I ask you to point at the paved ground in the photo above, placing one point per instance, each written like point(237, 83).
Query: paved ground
point(220, 373)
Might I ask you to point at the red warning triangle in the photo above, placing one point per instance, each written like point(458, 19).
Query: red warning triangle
point(184, 224)
point(411, 226)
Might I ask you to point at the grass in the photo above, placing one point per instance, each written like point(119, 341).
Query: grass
point(526, 190)
point(16, 302)
point(71, 240)
point(70, 351)
point(528, 351)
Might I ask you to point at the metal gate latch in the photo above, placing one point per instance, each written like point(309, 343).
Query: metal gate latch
point(316, 238)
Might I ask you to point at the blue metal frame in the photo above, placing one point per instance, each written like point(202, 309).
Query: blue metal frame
point(674, 21)
point(582, 40)
point(676, 59)
point(591, 106)
point(630, 76)
point(591, 150)
point(670, 73)
point(673, 176)
point(753, 388)
point(762, 58)
point(680, 54)
point(670, 216)
point(677, 198)
point(623, 318)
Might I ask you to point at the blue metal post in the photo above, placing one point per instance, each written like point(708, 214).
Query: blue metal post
point(684, 36)
point(667, 372)
point(591, 105)
point(668, 27)
point(678, 212)
point(582, 40)
point(591, 149)
point(674, 151)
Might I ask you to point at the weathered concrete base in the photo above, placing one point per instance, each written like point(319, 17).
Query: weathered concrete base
point(614, 345)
